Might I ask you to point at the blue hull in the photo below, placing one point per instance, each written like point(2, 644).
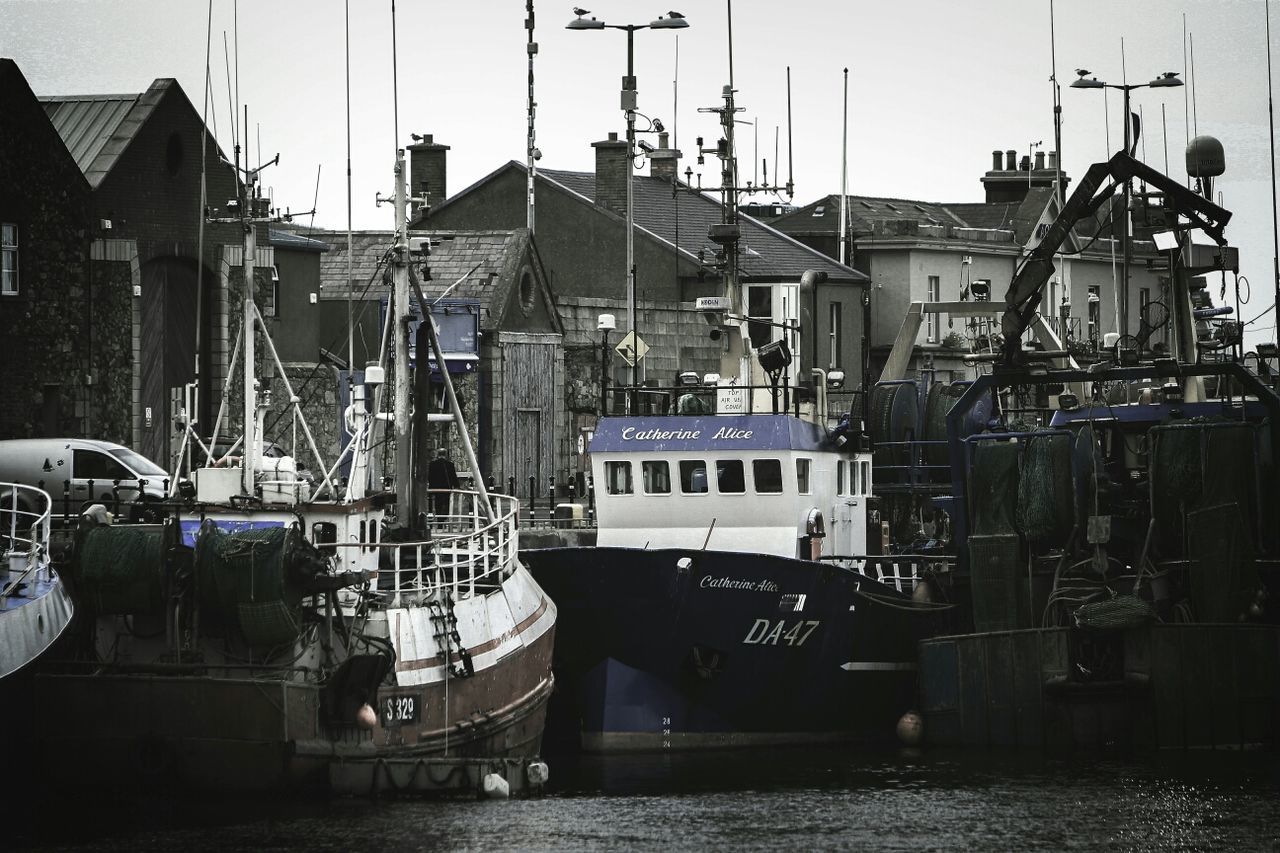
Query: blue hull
point(682, 649)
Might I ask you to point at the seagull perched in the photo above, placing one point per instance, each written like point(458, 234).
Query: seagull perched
point(1081, 72)
point(674, 15)
point(580, 12)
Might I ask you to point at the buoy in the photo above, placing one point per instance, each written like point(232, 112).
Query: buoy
point(495, 787)
point(366, 717)
point(911, 728)
point(538, 772)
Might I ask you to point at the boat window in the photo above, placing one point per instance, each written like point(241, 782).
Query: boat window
point(730, 479)
point(693, 477)
point(768, 476)
point(617, 476)
point(840, 477)
point(802, 476)
point(855, 478)
point(657, 478)
point(92, 465)
point(866, 478)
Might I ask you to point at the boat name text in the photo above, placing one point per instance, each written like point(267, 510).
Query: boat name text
point(765, 585)
point(733, 433)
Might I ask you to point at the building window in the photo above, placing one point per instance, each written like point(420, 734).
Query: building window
point(768, 476)
point(8, 259)
point(657, 478)
point(1144, 299)
point(273, 310)
point(836, 311)
point(802, 476)
point(931, 319)
point(617, 476)
point(1095, 312)
point(759, 314)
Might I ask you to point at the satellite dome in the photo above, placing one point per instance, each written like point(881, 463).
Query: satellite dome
point(1205, 158)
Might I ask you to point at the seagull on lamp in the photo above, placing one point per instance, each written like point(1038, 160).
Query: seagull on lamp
point(674, 15)
point(580, 12)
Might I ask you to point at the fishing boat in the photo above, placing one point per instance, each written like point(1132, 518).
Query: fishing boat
point(35, 608)
point(730, 597)
point(279, 633)
point(1117, 569)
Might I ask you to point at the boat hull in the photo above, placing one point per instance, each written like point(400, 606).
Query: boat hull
point(688, 649)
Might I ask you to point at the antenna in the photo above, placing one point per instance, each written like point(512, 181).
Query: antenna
point(1271, 129)
point(1195, 122)
point(351, 335)
point(844, 177)
point(395, 80)
point(790, 161)
point(532, 153)
point(729, 6)
point(1186, 90)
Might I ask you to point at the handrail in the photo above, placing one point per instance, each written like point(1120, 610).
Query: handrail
point(455, 561)
point(36, 541)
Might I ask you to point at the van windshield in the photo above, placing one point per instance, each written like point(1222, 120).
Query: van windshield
point(140, 464)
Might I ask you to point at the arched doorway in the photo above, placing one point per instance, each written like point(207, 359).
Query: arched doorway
point(167, 351)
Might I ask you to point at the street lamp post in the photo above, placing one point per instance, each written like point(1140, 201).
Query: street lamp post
point(672, 21)
point(1165, 80)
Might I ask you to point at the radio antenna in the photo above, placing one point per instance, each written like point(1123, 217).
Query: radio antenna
point(790, 159)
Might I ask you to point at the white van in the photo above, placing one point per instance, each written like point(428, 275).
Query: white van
point(80, 471)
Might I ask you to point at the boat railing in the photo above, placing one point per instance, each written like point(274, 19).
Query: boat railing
point(903, 572)
point(26, 518)
point(466, 550)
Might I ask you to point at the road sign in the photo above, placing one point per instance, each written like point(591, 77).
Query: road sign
point(632, 348)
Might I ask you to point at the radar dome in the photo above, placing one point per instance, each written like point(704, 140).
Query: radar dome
point(1205, 158)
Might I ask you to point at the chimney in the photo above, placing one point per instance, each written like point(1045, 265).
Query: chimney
point(1011, 160)
point(1053, 159)
point(1039, 161)
point(1025, 165)
point(611, 173)
point(427, 169)
point(995, 161)
point(664, 162)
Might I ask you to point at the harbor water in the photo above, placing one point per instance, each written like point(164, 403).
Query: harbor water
point(797, 799)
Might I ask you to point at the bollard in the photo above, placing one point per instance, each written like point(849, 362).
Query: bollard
point(533, 499)
point(511, 486)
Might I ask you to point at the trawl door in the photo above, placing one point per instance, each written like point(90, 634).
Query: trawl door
point(528, 445)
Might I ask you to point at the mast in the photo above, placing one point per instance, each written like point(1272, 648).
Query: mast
point(399, 314)
point(532, 153)
point(844, 177)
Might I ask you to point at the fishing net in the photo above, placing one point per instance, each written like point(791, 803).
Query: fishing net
point(1045, 491)
point(994, 573)
point(120, 570)
point(1176, 481)
point(1223, 576)
point(1122, 611)
point(993, 487)
point(894, 418)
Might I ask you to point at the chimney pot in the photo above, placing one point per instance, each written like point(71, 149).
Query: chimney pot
point(427, 170)
point(995, 161)
point(1025, 165)
point(1011, 160)
point(1039, 161)
point(1053, 159)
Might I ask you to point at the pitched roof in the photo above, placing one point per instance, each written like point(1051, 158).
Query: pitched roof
point(483, 265)
point(98, 128)
point(288, 238)
point(683, 221)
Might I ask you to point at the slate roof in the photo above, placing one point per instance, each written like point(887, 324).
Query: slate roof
point(289, 239)
point(98, 128)
point(765, 252)
point(486, 262)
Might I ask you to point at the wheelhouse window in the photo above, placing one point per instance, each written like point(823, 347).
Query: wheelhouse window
point(656, 477)
point(866, 477)
point(759, 314)
point(768, 476)
point(693, 477)
point(840, 490)
point(730, 479)
point(802, 476)
point(8, 259)
point(617, 478)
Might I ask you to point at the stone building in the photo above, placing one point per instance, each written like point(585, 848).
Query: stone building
point(501, 333)
point(56, 319)
point(165, 274)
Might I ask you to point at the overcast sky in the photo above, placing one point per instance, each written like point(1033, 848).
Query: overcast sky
point(934, 87)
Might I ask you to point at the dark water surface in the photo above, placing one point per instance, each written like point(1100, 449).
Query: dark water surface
point(761, 800)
